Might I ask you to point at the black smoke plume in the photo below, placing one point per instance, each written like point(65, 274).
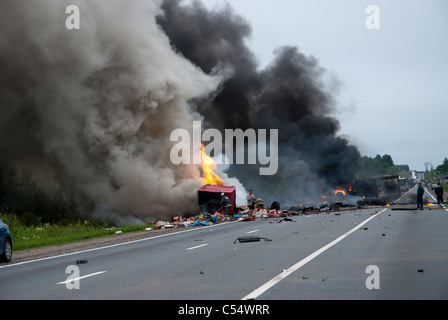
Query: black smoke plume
point(90, 111)
point(290, 95)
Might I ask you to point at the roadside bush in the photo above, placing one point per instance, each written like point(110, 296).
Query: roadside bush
point(32, 204)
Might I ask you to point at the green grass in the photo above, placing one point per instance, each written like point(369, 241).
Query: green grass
point(27, 237)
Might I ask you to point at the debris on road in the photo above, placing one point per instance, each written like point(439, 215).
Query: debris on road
point(284, 219)
point(250, 239)
point(345, 198)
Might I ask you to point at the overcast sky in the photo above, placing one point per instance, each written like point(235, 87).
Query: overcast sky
point(394, 81)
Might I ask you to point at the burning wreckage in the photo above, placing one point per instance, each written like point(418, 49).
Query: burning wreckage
point(376, 191)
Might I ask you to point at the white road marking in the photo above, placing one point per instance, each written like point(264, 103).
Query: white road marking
point(83, 277)
point(430, 194)
point(116, 245)
point(404, 195)
point(202, 245)
point(257, 292)
point(252, 231)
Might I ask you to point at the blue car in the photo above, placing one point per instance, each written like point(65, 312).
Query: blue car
point(5, 243)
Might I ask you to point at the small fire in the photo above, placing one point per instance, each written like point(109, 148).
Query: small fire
point(208, 165)
point(429, 204)
point(339, 190)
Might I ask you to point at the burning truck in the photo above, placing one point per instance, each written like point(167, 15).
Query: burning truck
point(378, 190)
point(209, 195)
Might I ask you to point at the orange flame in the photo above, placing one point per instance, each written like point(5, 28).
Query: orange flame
point(429, 204)
point(339, 190)
point(208, 165)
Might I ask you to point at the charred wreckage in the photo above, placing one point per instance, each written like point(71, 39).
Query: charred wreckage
point(375, 191)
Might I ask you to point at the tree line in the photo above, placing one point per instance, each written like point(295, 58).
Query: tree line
point(381, 165)
point(33, 205)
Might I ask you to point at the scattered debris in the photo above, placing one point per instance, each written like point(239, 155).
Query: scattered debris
point(420, 270)
point(250, 239)
point(81, 262)
point(159, 225)
point(117, 233)
point(365, 228)
point(284, 219)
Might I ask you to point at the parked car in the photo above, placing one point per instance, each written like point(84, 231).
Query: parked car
point(5, 243)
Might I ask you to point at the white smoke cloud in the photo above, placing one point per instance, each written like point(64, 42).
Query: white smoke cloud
point(98, 104)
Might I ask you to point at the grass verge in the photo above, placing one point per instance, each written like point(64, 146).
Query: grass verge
point(28, 237)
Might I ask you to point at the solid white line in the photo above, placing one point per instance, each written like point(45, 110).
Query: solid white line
point(426, 190)
point(252, 231)
point(79, 278)
point(202, 245)
point(257, 292)
point(404, 195)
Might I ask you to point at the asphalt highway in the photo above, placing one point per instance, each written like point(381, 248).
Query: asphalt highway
point(318, 256)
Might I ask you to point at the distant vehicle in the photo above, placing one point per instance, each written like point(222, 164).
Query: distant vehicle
point(5, 243)
point(386, 187)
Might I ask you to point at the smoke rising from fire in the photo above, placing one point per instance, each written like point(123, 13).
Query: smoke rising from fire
point(291, 95)
point(91, 110)
point(96, 106)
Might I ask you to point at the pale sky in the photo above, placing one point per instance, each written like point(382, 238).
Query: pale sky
point(394, 81)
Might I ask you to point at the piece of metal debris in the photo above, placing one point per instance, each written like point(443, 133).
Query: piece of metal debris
point(250, 239)
point(284, 219)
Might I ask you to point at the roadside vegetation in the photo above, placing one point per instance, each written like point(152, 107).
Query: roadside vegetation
point(46, 234)
point(381, 165)
point(37, 217)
